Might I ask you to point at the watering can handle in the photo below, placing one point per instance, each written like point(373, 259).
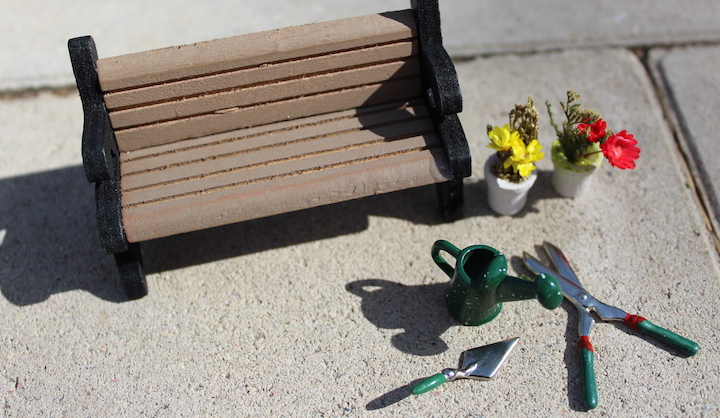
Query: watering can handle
point(442, 245)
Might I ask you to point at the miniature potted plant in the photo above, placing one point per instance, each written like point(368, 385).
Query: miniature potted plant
point(581, 144)
point(509, 171)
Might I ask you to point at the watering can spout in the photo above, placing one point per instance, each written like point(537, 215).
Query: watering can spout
point(545, 288)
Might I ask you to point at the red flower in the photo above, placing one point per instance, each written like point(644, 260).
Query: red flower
point(621, 150)
point(595, 131)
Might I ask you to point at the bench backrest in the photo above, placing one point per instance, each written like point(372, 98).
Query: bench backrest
point(166, 95)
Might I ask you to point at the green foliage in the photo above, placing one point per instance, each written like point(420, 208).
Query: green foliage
point(574, 143)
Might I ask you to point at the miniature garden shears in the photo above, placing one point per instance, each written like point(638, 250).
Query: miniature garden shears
point(585, 302)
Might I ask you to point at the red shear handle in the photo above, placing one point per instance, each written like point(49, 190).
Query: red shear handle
point(682, 344)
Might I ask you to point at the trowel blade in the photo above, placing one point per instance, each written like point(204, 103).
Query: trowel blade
point(489, 359)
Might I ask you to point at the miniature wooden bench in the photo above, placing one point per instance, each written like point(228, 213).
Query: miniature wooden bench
point(196, 136)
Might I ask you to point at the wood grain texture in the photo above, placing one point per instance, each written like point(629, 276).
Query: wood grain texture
point(227, 54)
point(264, 93)
point(267, 136)
point(236, 118)
point(368, 115)
point(286, 167)
point(265, 163)
point(285, 194)
point(256, 125)
point(264, 73)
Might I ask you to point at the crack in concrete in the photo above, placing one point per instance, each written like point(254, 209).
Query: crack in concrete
point(671, 117)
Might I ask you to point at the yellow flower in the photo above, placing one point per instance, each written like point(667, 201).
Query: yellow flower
point(501, 139)
point(523, 157)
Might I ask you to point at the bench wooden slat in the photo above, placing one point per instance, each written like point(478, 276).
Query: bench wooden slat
point(270, 154)
point(285, 194)
point(369, 114)
point(260, 74)
point(197, 126)
point(223, 173)
point(192, 60)
point(204, 148)
point(263, 93)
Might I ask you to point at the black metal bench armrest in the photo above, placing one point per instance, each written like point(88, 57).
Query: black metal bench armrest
point(441, 87)
point(440, 80)
point(99, 149)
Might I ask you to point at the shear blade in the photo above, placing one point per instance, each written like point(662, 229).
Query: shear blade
point(489, 359)
point(562, 265)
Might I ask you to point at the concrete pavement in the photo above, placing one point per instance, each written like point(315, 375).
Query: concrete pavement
point(335, 311)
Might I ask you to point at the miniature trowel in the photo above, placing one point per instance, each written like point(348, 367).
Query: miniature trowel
point(480, 363)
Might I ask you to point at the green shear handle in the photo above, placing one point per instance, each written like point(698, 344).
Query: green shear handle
point(589, 386)
point(574, 291)
point(640, 324)
point(682, 344)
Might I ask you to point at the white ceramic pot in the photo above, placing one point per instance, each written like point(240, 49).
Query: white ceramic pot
point(504, 196)
point(573, 180)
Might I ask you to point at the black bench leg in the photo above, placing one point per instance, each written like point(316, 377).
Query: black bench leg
point(451, 198)
point(132, 272)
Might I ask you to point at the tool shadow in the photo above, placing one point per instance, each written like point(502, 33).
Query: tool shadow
point(419, 311)
point(571, 359)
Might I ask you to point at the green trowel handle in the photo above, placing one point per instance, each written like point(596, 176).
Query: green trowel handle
point(587, 357)
point(429, 384)
point(682, 344)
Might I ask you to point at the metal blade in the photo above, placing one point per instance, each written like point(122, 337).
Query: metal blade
point(570, 290)
point(607, 312)
point(574, 292)
point(483, 363)
point(561, 263)
point(536, 266)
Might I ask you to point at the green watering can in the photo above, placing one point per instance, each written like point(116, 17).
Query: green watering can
point(479, 283)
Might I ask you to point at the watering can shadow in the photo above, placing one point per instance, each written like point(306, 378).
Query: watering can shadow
point(479, 283)
point(417, 311)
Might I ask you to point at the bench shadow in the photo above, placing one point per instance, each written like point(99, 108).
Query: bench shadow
point(49, 241)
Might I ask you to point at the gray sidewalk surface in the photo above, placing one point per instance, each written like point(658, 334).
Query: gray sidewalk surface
point(335, 311)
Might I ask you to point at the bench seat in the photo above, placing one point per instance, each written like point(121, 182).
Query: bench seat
point(277, 168)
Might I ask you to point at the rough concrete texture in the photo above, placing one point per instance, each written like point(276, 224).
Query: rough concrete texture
point(33, 50)
point(693, 83)
point(336, 311)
